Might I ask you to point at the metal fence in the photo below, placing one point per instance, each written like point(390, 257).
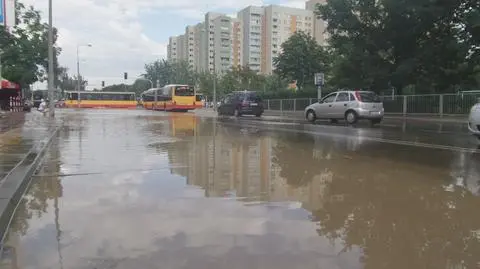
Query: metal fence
point(432, 104)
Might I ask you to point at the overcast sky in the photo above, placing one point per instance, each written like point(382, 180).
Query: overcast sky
point(126, 34)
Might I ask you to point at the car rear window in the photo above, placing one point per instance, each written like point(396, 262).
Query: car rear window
point(369, 97)
point(253, 97)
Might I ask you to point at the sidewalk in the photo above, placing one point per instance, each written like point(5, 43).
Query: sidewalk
point(23, 140)
point(298, 115)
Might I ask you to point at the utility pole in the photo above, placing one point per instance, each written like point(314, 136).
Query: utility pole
point(51, 86)
point(214, 82)
point(79, 80)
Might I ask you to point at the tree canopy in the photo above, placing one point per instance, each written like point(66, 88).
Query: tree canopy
point(25, 48)
point(300, 59)
point(422, 45)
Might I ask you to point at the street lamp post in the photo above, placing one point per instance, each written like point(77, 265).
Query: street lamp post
point(78, 71)
point(214, 82)
point(51, 85)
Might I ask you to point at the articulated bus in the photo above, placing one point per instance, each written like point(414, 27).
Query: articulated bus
point(173, 97)
point(101, 100)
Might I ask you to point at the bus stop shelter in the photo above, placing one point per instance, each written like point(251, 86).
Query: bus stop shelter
point(10, 96)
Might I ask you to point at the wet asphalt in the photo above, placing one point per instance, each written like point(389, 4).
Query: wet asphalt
point(141, 189)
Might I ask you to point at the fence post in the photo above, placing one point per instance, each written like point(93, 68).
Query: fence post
point(405, 105)
point(440, 106)
point(294, 105)
point(310, 101)
point(268, 104)
point(281, 105)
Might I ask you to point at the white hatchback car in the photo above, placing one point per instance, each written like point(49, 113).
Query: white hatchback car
point(349, 105)
point(474, 119)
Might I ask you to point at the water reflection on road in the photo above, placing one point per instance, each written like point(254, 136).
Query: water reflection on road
point(139, 190)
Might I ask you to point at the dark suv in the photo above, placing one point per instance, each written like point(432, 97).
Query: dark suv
point(241, 103)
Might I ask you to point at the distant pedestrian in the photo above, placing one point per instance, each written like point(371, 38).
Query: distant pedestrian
point(43, 106)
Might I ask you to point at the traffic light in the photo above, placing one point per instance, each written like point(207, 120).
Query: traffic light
point(125, 75)
point(103, 83)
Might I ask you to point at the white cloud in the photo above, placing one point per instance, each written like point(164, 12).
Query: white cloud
point(114, 28)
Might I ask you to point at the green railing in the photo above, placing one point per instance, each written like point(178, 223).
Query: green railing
point(432, 104)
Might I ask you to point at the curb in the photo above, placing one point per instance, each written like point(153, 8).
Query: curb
point(17, 181)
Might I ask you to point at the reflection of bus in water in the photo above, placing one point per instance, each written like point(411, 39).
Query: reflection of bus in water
point(183, 124)
point(101, 100)
point(173, 97)
point(199, 100)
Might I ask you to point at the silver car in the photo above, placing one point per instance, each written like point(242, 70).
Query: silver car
point(349, 105)
point(474, 119)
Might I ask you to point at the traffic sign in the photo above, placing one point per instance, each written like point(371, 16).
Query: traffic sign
point(319, 79)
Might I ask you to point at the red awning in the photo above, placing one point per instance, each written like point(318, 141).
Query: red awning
point(7, 85)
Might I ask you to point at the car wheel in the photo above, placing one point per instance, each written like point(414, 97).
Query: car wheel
point(236, 113)
point(311, 117)
point(351, 117)
point(258, 115)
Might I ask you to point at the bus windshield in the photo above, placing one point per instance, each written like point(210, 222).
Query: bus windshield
point(185, 91)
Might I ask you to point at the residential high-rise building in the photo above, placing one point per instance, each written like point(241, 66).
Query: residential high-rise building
point(319, 25)
point(190, 46)
point(237, 43)
point(253, 39)
point(200, 47)
point(219, 42)
point(279, 24)
point(172, 49)
point(181, 48)
point(251, 19)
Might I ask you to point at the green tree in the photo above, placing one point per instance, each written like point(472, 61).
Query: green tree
point(412, 43)
point(25, 49)
point(169, 73)
point(300, 59)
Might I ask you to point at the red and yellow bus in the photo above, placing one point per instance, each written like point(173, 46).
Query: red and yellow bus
point(173, 97)
point(200, 100)
point(91, 99)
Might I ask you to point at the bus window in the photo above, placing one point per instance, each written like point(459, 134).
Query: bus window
point(185, 91)
point(199, 98)
point(165, 91)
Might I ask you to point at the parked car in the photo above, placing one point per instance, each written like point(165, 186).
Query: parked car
point(349, 105)
point(241, 103)
point(474, 119)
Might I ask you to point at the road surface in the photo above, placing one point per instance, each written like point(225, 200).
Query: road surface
point(142, 189)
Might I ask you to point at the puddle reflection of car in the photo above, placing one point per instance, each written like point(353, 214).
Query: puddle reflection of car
point(241, 103)
point(474, 119)
point(349, 105)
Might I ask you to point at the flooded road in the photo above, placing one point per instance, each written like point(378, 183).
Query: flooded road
point(137, 189)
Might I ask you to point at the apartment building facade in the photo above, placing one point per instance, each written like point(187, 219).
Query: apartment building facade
point(251, 19)
point(219, 49)
point(172, 49)
point(237, 43)
point(319, 26)
point(253, 39)
point(190, 46)
point(279, 24)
